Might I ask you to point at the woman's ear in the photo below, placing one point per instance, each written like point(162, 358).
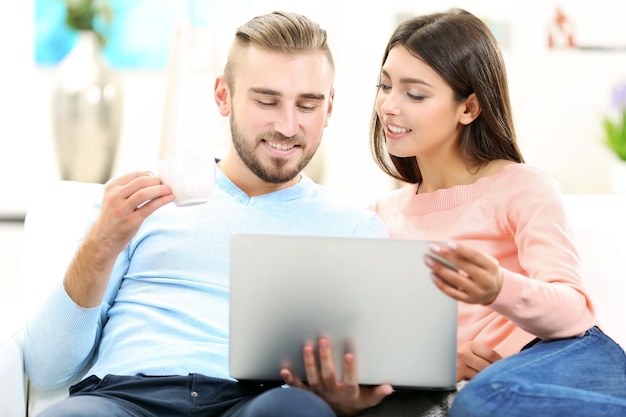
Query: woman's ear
point(471, 109)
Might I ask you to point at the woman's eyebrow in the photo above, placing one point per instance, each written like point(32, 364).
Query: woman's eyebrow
point(408, 80)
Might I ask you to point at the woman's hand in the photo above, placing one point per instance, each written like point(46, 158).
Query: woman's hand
point(478, 279)
point(472, 358)
point(346, 397)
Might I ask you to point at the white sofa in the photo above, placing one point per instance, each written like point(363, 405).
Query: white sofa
point(56, 223)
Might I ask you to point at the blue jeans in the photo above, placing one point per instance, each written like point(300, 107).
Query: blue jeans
point(194, 395)
point(582, 376)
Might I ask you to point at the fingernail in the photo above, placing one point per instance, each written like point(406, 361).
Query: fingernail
point(452, 245)
point(428, 260)
point(434, 247)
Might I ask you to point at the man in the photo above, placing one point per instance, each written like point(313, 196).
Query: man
point(144, 303)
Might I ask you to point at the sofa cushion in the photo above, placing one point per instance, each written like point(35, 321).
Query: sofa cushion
point(599, 229)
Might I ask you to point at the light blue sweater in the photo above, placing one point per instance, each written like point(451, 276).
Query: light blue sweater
point(166, 307)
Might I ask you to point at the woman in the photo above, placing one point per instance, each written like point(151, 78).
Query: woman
point(527, 337)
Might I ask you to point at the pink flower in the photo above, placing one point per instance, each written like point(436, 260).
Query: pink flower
point(615, 128)
point(619, 96)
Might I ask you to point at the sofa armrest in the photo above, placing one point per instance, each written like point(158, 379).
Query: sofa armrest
point(54, 227)
point(13, 382)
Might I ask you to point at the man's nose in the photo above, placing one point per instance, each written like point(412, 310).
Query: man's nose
point(287, 124)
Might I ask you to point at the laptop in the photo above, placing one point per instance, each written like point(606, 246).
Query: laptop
point(370, 296)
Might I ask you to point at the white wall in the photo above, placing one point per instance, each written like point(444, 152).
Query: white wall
point(558, 96)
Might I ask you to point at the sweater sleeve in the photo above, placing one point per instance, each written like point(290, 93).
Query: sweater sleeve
point(61, 337)
point(548, 300)
point(58, 341)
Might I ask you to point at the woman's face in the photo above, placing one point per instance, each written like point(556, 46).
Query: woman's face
point(416, 107)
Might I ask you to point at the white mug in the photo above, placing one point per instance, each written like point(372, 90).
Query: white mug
point(190, 174)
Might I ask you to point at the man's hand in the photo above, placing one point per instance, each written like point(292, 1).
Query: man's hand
point(472, 358)
point(346, 396)
point(126, 203)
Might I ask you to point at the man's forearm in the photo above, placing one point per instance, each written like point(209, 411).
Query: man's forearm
point(88, 275)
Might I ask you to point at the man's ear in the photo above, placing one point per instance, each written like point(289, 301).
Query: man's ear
point(222, 96)
point(471, 109)
point(329, 110)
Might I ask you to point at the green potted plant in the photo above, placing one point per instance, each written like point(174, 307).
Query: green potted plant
point(615, 127)
point(89, 15)
point(615, 138)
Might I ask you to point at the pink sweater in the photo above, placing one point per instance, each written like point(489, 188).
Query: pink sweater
point(518, 217)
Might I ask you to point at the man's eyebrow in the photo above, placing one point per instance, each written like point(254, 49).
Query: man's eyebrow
point(408, 80)
point(265, 91)
point(312, 96)
point(270, 92)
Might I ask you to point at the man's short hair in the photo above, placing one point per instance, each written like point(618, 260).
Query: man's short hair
point(289, 33)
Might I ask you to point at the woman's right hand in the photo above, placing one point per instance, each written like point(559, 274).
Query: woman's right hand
point(478, 279)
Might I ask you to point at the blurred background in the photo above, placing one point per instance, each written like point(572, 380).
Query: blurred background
point(564, 60)
point(559, 94)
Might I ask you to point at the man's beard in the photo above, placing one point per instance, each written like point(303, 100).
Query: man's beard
point(276, 172)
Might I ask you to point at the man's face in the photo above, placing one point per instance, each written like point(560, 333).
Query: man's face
point(278, 111)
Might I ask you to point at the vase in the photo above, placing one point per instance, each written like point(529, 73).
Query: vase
point(86, 113)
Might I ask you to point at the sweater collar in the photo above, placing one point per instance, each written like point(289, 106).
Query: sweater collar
point(290, 193)
point(448, 198)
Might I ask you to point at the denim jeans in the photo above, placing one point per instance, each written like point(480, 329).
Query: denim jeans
point(582, 376)
point(194, 395)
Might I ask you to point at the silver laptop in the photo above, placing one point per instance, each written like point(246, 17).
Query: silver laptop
point(373, 297)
